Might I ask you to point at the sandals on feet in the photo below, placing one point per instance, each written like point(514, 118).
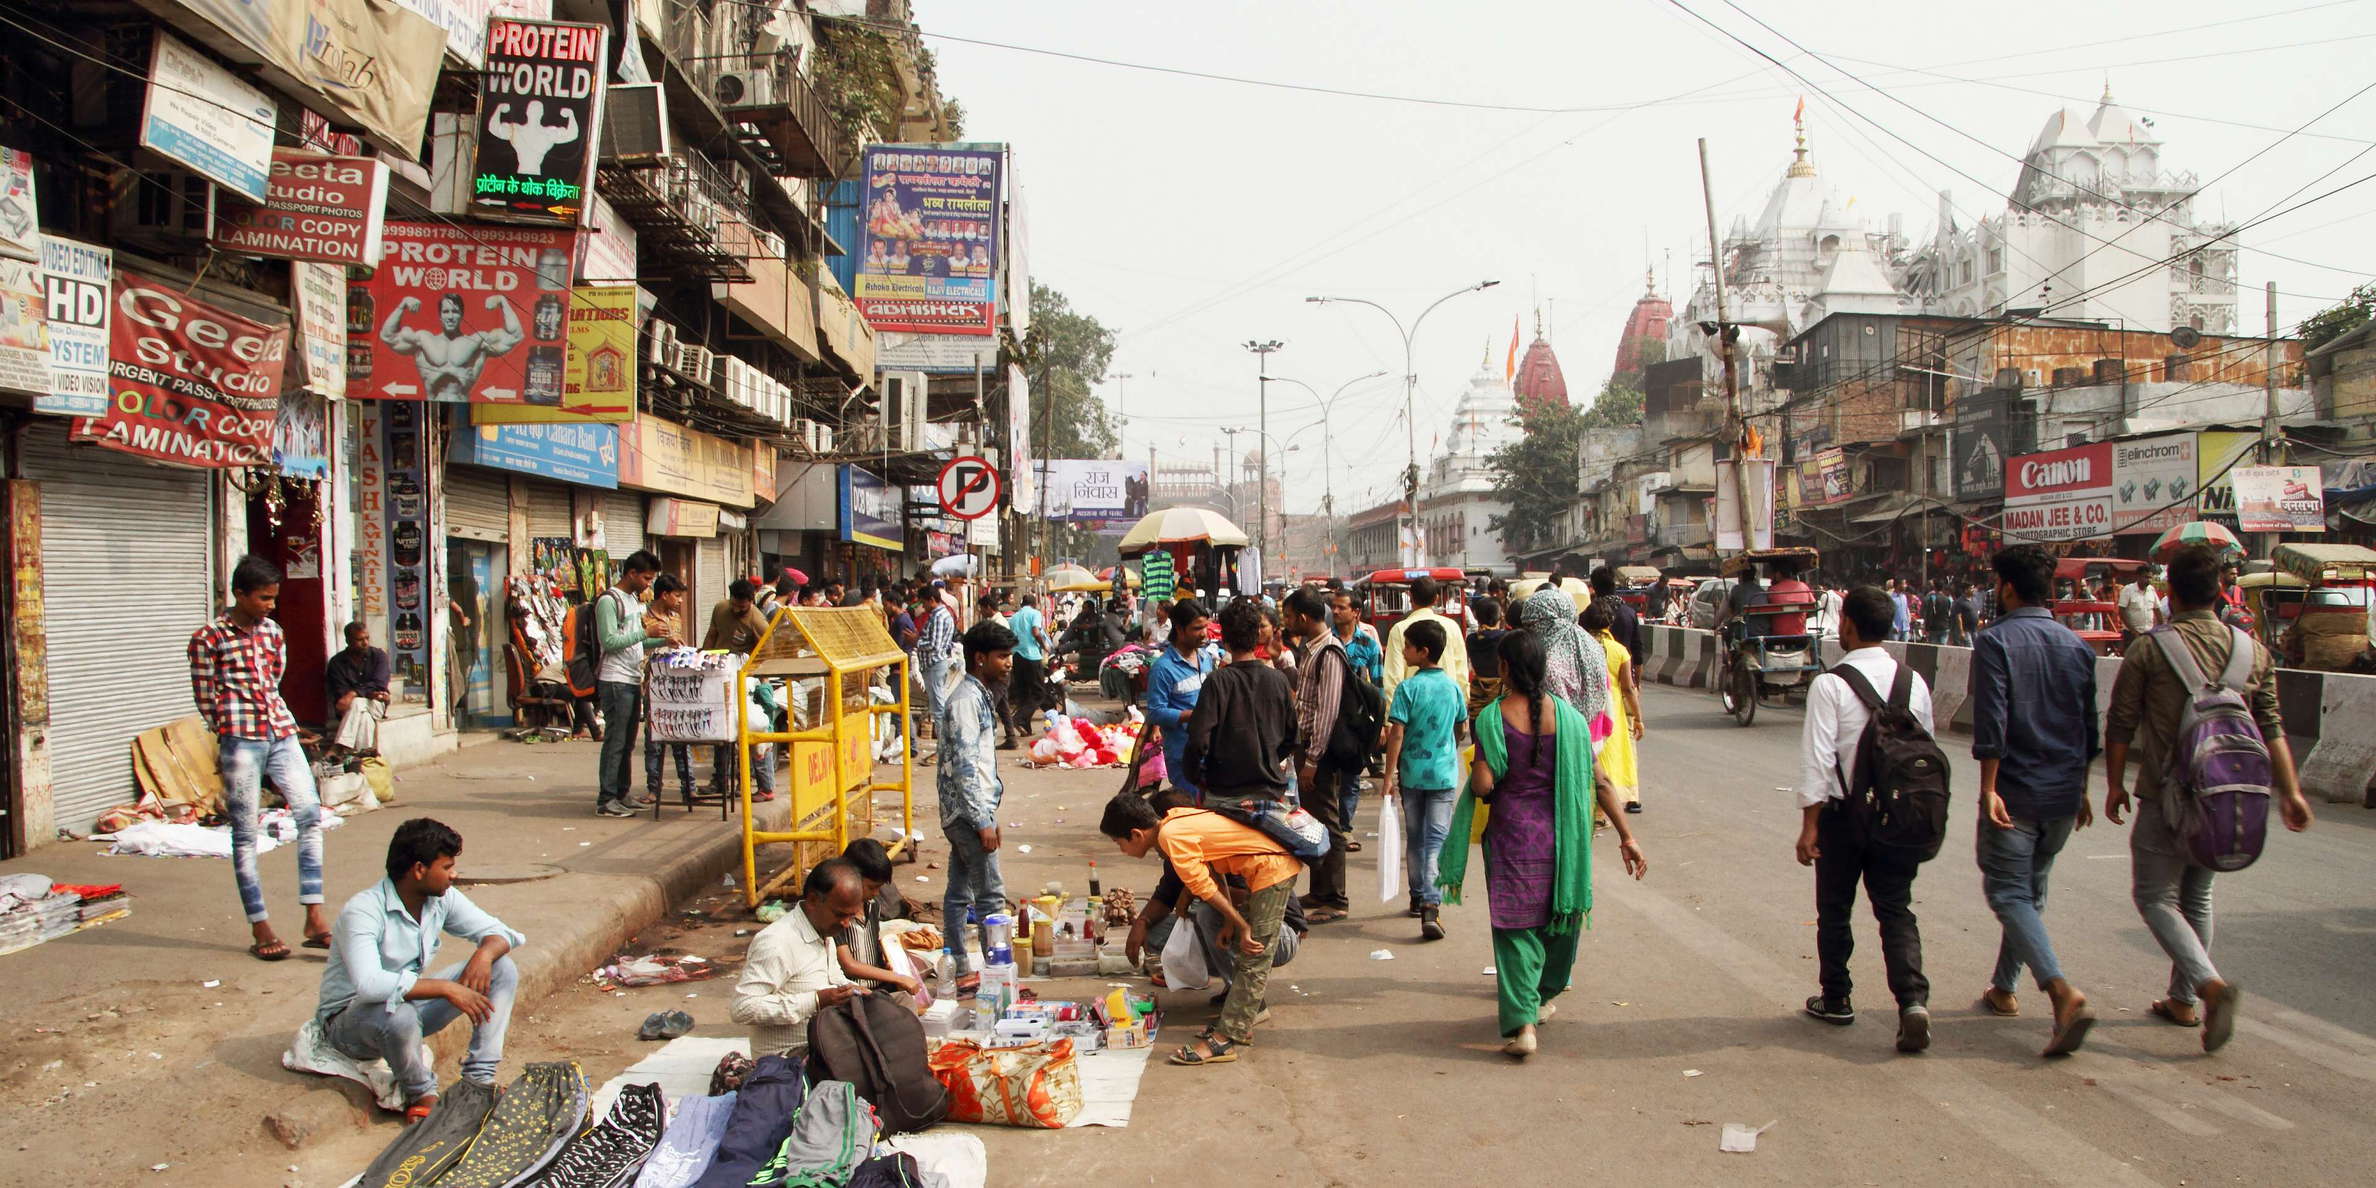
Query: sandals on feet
point(419, 1108)
point(1223, 1051)
point(2219, 1017)
point(271, 950)
point(1988, 1003)
point(318, 940)
point(1325, 915)
point(2167, 1012)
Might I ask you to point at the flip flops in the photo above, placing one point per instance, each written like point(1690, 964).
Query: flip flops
point(319, 940)
point(664, 1025)
point(2071, 1032)
point(2219, 1017)
point(271, 950)
point(2162, 1009)
point(1988, 1004)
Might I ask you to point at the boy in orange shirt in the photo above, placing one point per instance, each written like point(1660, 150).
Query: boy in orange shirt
point(1201, 843)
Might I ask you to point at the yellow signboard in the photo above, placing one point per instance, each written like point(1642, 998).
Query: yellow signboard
point(598, 377)
point(663, 456)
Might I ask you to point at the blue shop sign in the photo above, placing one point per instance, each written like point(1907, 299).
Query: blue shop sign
point(870, 511)
point(586, 454)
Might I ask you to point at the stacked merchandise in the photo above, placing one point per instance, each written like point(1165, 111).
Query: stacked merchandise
point(33, 909)
point(101, 902)
point(58, 913)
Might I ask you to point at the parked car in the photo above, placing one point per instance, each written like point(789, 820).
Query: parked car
point(1708, 601)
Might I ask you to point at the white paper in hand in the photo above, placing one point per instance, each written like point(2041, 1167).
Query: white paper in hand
point(1390, 848)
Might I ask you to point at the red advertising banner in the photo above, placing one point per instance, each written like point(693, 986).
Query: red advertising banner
point(463, 314)
point(2060, 494)
point(188, 383)
point(316, 207)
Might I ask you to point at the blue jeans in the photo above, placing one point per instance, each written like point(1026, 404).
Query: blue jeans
point(938, 677)
point(393, 1031)
point(1427, 817)
point(726, 769)
point(655, 766)
point(973, 882)
point(2013, 867)
point(622, 714)
point(1349, 800)
point(244, 763)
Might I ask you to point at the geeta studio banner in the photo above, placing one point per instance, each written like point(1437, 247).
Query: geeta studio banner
point(930, 260)
point(540, 114)
point(193, 384)
point(463, 314)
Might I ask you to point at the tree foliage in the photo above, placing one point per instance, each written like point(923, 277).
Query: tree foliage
point(2339, 319)
point(1066, 356)
point(1618, 406)
point(1536, 475)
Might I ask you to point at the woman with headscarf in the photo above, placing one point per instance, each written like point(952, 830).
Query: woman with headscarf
point(1576, 666)
point(1534, 766)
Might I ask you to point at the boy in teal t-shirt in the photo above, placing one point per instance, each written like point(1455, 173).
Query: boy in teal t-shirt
point(1423, 764)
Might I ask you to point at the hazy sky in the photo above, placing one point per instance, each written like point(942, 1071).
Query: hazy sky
point(1193, 214)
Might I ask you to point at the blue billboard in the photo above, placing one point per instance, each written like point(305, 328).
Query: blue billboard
point(586, 454)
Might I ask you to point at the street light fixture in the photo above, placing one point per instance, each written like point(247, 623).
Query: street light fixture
point(1410, 381)
point(1327, 414)
point(1262, 352)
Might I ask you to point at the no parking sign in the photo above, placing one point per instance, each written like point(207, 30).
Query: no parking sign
point(969, 488)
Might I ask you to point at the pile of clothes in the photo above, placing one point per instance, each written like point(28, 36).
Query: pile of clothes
point(33, 909)
point(1078, 742)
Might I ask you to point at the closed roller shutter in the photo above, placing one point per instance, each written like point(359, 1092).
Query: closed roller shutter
point(125, 555)
point(710, 575)
point(548, 510)
point(477, 504)
point(623, 522)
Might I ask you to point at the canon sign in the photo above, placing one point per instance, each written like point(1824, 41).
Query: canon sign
point(2066, 472)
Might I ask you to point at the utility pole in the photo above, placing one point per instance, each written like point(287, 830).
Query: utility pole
point(1734, 424)
point(1262, 349)
point(2268, 441)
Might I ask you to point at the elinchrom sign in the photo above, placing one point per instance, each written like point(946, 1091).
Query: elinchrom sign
point(538, 120)
point(193, 384)
point(316, 207)
point(2059, 495)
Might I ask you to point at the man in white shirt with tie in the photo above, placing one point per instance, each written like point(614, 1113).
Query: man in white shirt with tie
point(1833, 840)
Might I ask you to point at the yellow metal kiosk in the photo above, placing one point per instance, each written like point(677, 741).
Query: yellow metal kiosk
point(830, 737)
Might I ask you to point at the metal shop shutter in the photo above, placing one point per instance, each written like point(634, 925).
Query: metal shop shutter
point(709, 582)
point(477, 504)
point(622, 523)
point(125, 554)
point(548, 510)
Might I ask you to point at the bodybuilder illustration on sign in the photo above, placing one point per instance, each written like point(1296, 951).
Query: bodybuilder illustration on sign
point(531, 137)
point(449, 360)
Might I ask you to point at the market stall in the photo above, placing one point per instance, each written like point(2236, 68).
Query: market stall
point(1201, 550)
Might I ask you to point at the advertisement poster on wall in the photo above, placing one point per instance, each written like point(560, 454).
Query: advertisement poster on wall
point(542, 109)
point(192, 384)
point(1093, 490)
point(20, 216)
point(205, 117)
point(870, 513)
point(598, 374)
point(316, 207)
point(1832, 464)
point(410, 600)
point(321, 291)
point(2217, 452)
point(2060, 494)
point(587, 454)
point(372, 66)
point(2153, 484)
point(2279, 499)
point(301, 436)
point(1982, 443)
point(74, 280)
point(929, 263)
point(463, 314)
point(24, 332)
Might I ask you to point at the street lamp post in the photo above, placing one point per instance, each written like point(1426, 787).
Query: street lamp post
point(1262, 349)
point(1410, 382)
point(1327, 414)
point(1286, 447)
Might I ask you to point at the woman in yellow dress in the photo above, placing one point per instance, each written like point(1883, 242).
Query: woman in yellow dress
point(1617, 755)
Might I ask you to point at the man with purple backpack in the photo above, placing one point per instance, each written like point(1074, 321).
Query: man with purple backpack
point(2199, 701)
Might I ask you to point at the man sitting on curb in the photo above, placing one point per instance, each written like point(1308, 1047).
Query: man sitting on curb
point(377, 1004)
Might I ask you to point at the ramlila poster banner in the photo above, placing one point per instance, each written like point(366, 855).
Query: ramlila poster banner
point(74, 282)
point(193, 384)
point(1094, 490)
point(463, 314)
point(538, 120)
point(316, 207)
point(2279, 499)
point(930, 261)
point(598, 382)
point(20, 218)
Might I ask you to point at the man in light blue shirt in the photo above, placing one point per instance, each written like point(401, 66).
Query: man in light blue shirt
point(1173, 683)
point(378, 1004)
point(1030, 677)
point(970, 791)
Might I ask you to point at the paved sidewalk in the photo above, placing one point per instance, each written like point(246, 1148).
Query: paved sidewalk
point(115, 1024)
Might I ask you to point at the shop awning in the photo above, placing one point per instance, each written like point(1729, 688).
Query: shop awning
point(1891, 508)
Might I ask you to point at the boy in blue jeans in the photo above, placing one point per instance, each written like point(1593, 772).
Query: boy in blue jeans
point(1423, 764)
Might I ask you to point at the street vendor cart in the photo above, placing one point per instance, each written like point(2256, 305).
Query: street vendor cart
point(2312, 610)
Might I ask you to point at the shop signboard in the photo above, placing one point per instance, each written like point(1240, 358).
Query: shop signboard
point(20, 215)
point(1832, 464)
point(2217, 452)
point(465, 21)
point(371, 66)
point(203, 116)
point(929, 263)
point(598, 378)
point(316, 207)
point(320, 291)
point(2153, 484)
point(411, 604)
point(539, 117)
point(668, 516)
point(2279, 498)
point(1983, 437)
point(192, 384)
point(586, 454)
point(463, 314)
point(1093, 490)
point(74, 281)
point(939, 354)
point(2059, 495)
point(24, 330)
point(609, 258)
point(870, 511)
point(670, 459)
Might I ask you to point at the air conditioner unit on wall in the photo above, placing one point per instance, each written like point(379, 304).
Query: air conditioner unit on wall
point(745, 88)
point(906, 396)
point(635, 124)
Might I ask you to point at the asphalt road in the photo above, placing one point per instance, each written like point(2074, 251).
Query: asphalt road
point(1683, 1017)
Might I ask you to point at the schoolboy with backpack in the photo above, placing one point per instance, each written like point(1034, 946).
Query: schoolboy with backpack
point(1873, 800)
point(2197, 699)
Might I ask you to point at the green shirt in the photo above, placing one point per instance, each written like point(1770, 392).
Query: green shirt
point(1429, 704)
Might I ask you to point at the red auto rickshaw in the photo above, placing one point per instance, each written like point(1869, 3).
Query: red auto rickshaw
point(1385, 595)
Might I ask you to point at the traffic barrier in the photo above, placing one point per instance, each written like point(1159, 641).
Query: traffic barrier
point(2327, 714)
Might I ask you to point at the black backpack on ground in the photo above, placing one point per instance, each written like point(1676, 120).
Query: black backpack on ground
point(1361, 715)
point(878, 1046)
point(1897, 788)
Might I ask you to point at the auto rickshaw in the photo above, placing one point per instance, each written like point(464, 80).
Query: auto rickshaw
point(1767, 650)
point(2312, 609)
point(1634, 583)
point(1385, 595)
point(2097, 624)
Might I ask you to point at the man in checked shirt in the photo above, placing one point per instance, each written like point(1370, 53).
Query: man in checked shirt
point(236, 664)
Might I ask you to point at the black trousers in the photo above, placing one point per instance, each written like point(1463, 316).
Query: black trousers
point(1887, 873)
point(1024, 686)
point(1325, 800)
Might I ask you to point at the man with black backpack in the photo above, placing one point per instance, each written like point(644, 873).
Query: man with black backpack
point(617, 645)
point(1324, 772)
point(1873, 803)
point(2211, 755)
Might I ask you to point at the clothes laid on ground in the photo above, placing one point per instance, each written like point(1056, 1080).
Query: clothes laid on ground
point(757, 1126)
point(538, 1113)
point(832, 1134)
point(311, 1051)
point(609, 1155)
point(689, 1143)
point(161, 839)
point(426, 1150)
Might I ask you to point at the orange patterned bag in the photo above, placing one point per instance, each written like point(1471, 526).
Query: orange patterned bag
point(1037, 1085)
